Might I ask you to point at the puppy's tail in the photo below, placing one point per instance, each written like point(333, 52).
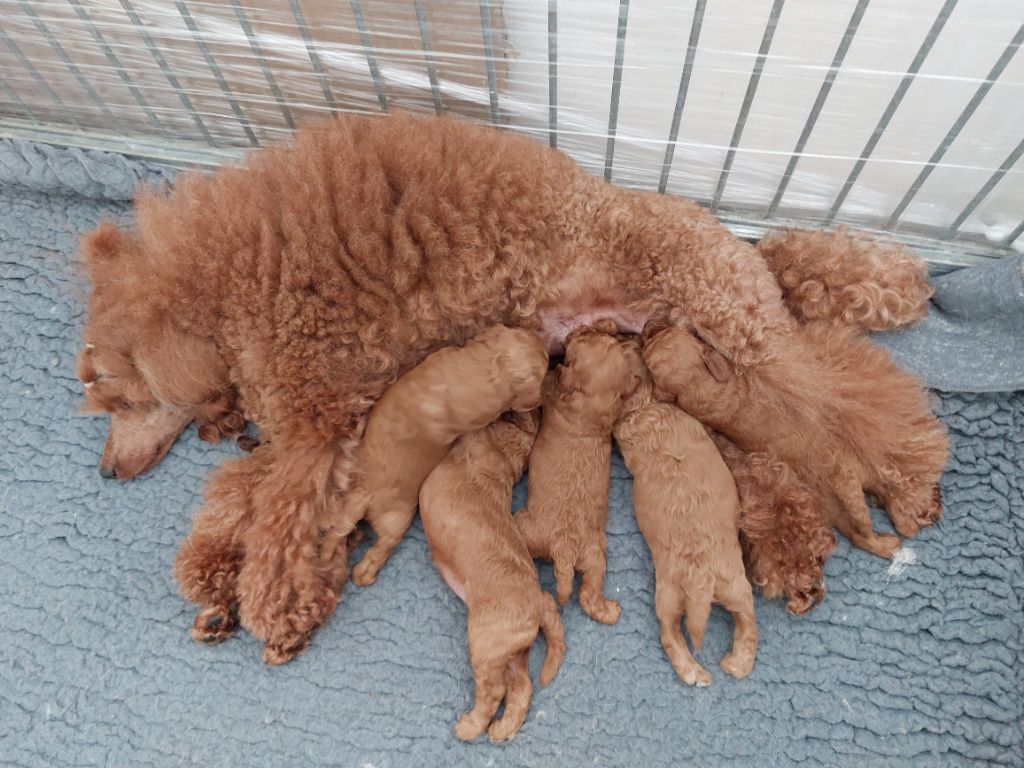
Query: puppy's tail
point(698, 608)
point(554, 636)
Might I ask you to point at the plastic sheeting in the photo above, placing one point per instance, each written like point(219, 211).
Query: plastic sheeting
point(902, 115)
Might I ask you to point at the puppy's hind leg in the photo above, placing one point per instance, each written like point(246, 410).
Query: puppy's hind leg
point(519, 689)
point(489, 678)
point(592, 565)
point(390, 526)
point(738, 599)
point(854, 519)
point(668, 601)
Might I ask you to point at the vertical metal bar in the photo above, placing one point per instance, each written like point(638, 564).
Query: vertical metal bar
point(1012, 237)
point(748, 100)
point(215, 71)
point(684, 87)
point(890, 110)
point(34, 73)
point(492, 82)
point(314, 55)
point(16, 100)
point(162, 63)
point(63, 56)
point(114, 62)
point(613, 107)
point(428, 54)
point(371, 60)
point(989, 185)
point(257, 51)
point(958, 126)
point(553, 73)
point(819, 104)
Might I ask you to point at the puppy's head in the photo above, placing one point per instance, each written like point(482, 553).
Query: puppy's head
point(685, 369)
point(521, 360)
point(596, 367)
point(151, 378)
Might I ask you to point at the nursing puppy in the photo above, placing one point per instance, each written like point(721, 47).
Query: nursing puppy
point(466, 508)
point(453, 391)
point(570, 468)
point(687, 508)
point(835, 408)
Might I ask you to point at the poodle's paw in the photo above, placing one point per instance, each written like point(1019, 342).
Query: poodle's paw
point(277, 652)
point(802, 601)
point(505, 728)
point(600, 608)
point(884, 545)
point(694, 674)
point(468, 727)
point(738, 664)
point(214, 624)
point(933, 509)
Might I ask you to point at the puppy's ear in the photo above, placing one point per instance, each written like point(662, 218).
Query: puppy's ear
point(632, 387)
point(180, 369)
point(718, 365)
point(653, 328)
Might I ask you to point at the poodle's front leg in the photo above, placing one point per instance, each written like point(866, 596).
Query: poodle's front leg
point(209, 560)
point(285, 589)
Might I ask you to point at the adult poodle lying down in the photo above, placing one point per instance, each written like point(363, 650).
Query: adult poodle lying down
point(308, 280)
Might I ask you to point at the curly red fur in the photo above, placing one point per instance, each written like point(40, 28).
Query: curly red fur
point(848, 278)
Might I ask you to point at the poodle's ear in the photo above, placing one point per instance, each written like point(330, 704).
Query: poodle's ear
point(718, 365)
point(652, 328)
point(104, 245)
point(632, 387)
point(180, 369)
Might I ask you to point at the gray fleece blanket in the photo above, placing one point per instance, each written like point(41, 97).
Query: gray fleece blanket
point(906, 665)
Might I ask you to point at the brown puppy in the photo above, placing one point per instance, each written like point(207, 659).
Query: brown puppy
point(453, 391)
point(688, 509)
point(466, 508)
point(855, 423)
point(570, 468)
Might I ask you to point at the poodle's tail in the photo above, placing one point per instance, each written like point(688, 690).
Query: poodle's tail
point(554, 636)
point(848, 278)
point(698, 609)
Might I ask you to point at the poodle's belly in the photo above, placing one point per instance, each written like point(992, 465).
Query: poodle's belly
point(575, 301)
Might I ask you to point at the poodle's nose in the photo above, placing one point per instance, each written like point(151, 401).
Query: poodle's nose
point(108, 473)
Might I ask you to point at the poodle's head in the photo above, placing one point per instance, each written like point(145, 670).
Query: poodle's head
point(596, 368)
point(136, 366)
point(521, 362)
point(699, 379)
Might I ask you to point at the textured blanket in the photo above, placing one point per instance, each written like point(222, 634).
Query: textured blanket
point(917, 663)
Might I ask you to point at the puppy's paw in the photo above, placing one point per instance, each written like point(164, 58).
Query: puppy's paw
point(885, 545)
point(468, 728)
point(365, 573)
point(739, 665)
point(503, 730)
point(695, 675)
point(933, 509)
point(214, 624)
point(600, 608)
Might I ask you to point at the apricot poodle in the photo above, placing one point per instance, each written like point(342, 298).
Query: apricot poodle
point(466, 508)
point(566, 509)
point(453, 391)
point(688, 509)
point(305, 281)
point(865, 426)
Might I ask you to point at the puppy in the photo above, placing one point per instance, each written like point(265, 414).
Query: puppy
point(410, 429)
point(688, 509)
point(570, 468)
point(466, 508)
point(856, 423)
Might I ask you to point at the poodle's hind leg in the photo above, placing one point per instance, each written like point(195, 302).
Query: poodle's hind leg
point(390, 526)
point(911, 503)
point(519, 689)
point(668, 602)
point(284, 590)
point(209, 560)
point(738, 599)
point(592, 566)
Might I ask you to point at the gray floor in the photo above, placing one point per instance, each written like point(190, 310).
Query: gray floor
point(96, 667)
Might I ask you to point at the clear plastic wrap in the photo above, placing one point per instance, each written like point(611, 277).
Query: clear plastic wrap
point(900, 115)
